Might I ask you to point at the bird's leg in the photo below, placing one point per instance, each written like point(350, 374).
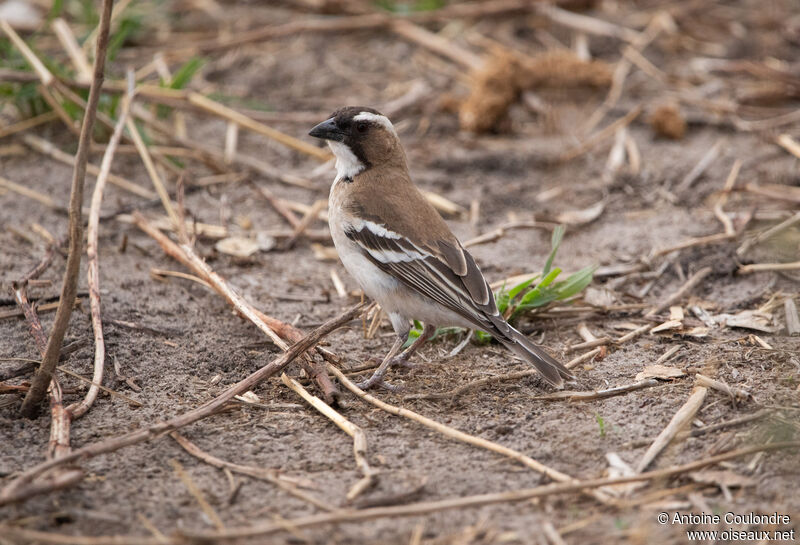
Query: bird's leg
point(402, 358)
point(377, 377)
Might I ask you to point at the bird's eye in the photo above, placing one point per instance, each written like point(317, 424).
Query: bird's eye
point(362, 127)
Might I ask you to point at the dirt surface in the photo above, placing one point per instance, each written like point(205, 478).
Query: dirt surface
point(188, 345)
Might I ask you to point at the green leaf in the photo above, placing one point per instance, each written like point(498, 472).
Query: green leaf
point(555, 242)
point(516, 290)
point(185, 73)
point(576, 282)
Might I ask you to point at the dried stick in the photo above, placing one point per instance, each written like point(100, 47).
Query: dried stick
point(584, 23)
point(452, 433)
point(730, 181)
point(93, 273)
point(59, 418)
point(29, 193)
point(43, 146)
point(70, 45)
point(695, 279)
point(601, 135)
point(425, 508)
point(456, 392)
point(708, 158)
point(29, 123)
point(310, 216)
point(437, 44)
point(268, 475)
point(70, 284)
point(278, 205)
point(41, 71)
point(771, 232)
point(684, 415)
point(272, 327)
point(242, 120)
point(23, 487)
point(193, 489)
point(736, 394)
point(599, 394)
point(369, 475)
point(151, 171)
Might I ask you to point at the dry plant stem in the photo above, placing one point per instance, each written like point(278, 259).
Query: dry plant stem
point(762, 267)
point(193, 489)
point(452, 433)
point(23, 486)
point(730, 181)
point(278, 205)
point(60, 419)
point(69, 287)
point(306, 222)
point(412, 509)
point(601, 135)
point(600, 394)
point(437, 44)
point(93, 272)
point(186, 255)
point(424, 508)
point(736, 394)
point(455, 392)
point(707, 429)
point(273, 328)
point(41, 71)
point(693, 242)
point(695, 279)
point(684, 416)
point(708, 158)
point(151, 171)
point(29, 123)
point(29, 193)
point(242, 120)
point(584, 23)
point(70, 45)
point(43, 146)
point(369, 475)
point(623, 67)
point(255, 472)
point(771, 232)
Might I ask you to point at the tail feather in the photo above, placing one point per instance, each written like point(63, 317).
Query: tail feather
point(551, 369)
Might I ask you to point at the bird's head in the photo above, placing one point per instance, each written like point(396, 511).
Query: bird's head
point(361, 138)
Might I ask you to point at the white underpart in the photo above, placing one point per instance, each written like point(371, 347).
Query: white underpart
point(347, 164)
point(376, 118)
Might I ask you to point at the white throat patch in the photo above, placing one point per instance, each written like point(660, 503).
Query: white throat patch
point(347, 164)
point(375, 118)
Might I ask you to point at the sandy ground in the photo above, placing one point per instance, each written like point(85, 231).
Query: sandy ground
point(193, 346)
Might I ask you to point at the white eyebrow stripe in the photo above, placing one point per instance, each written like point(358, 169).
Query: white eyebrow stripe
point(376, 118)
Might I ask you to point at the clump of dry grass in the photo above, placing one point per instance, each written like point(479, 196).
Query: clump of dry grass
point(667, 121)
point(503, 77)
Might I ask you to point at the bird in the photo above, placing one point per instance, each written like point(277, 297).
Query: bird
point(399, 249)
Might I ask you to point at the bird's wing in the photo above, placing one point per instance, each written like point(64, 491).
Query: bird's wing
point(447, 273)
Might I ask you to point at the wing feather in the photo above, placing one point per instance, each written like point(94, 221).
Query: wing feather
point(462, 289)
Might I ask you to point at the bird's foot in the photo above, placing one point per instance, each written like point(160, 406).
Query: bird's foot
point(376, 380)
point(401, 360)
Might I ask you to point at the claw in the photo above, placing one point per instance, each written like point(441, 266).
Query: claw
point(401, 361)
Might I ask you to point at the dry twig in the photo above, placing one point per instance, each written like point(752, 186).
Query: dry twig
point(93, 273)
point(369, 475)
point(69, 287)
point(24, 485)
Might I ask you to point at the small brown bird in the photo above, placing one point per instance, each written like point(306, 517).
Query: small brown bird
point(400, 250)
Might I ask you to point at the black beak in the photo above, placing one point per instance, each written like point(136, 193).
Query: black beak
point(327, 130)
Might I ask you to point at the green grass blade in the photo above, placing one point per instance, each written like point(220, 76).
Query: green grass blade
point(555, 242)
